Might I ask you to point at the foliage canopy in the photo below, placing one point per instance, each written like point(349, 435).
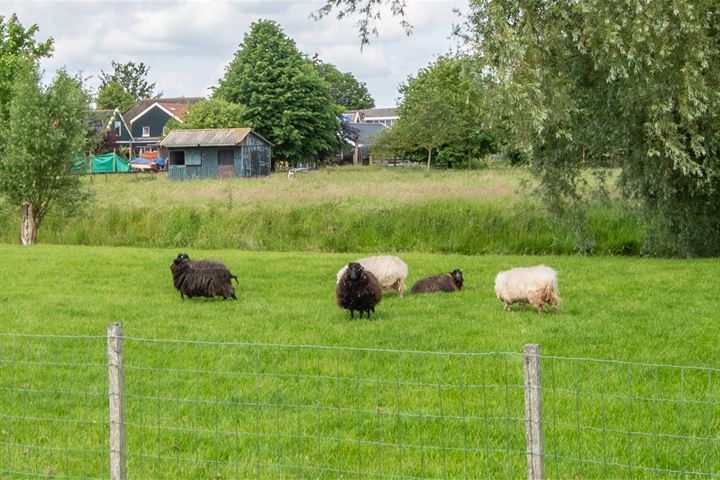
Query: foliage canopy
point(17, 45)
point(285, 99)
point(349, 94)
point(133, 79)
point(113, 95)
point(441, 106)
point(605, 83)
point(213, 113)
point(46, 133)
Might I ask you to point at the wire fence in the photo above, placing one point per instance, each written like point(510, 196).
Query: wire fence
point(245, 410)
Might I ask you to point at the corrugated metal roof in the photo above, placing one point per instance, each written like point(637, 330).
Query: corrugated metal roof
point(205, 137)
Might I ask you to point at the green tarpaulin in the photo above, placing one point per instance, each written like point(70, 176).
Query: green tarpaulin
point(107, 163)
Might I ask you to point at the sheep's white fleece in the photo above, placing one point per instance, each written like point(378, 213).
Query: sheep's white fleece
point(390, 271)
point(535, 285)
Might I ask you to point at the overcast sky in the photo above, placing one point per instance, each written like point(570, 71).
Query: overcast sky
point(188, 44)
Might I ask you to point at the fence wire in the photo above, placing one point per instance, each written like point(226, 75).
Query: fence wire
point(610, 419)
point(303, 411)
point(244, 410)
point(53, 407)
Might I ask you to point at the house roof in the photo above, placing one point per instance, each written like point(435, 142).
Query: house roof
point(367, 132)
point(376, 113)
point(207, 137)
point(99, 118)
point(178, 110)
point(143, 105)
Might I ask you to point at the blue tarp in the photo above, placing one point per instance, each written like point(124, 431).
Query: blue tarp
point(160, 162)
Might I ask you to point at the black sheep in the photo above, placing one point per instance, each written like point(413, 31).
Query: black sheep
point(202, 278)
point(447, 282)
point(358, 289)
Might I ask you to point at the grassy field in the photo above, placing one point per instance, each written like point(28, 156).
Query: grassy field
point(372, 402)
point(335, 210)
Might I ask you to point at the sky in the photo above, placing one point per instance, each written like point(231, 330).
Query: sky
point(188, 44)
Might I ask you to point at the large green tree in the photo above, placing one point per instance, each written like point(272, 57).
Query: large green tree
point(440, 106)
point(604, 83)
point(45, 132)
point(213, 113)
point(133, 79)
point(17, 45)
point(285, 99)
point(345, 89)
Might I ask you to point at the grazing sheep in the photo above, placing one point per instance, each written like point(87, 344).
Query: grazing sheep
point(390, 271)
point(358, 289)
point(535, 285)
point(447, 282)
point(202, 278)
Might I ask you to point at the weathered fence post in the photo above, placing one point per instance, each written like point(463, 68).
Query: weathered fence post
point(116, 390)
point(533, 413)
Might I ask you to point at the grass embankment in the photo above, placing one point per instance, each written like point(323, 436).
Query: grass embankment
point(302, 412)
point(334, 210)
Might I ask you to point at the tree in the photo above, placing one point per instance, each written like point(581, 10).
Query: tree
point(439, 106)
point(213, 113)
point(113, 95)
point(605, 83)
point(368, 12)
point(17, 45)
point(132, 77)
point(46, 132)
point(285, 99)
point(348, 93)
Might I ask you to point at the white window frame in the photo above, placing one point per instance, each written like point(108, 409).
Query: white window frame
point(146, 132)
point(118, 128)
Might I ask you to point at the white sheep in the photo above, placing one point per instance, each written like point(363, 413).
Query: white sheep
point(535, 285)
point(390, 271)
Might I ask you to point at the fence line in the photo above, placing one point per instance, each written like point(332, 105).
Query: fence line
point(239, 409)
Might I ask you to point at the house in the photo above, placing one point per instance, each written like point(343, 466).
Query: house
point(383, 116)
point(103, 120)
point(365, 135)
point(216, 153)
point(144, 123)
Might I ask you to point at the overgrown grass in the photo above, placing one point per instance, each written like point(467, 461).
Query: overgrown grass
point(264, 411)
point(337, 210)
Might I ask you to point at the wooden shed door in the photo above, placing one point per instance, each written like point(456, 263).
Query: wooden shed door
point(226, 164)
point(225, 157)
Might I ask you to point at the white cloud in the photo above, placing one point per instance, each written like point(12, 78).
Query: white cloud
point(188, 44)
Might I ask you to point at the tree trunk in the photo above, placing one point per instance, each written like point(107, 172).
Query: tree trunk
point(429, 158)
point(356, 155)
point(29, 228)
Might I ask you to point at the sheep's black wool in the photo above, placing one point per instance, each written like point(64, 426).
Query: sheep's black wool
point(202, 278)
point(447, 282)
point(358, 289)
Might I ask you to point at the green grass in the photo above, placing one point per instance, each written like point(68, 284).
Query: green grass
point(334, 210)
point(373, 404)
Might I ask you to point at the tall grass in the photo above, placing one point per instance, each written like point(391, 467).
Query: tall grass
point(335, 210)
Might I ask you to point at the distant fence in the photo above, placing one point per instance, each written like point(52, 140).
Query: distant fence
point(122, 407)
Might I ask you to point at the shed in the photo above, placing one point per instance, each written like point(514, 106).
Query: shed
point(217, 153)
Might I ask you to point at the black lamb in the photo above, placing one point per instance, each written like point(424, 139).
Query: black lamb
point(447, 282)
point(202, 278)
point(358, 289)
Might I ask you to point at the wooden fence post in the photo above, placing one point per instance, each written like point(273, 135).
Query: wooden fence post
point(533, 413)
point(116, 390)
